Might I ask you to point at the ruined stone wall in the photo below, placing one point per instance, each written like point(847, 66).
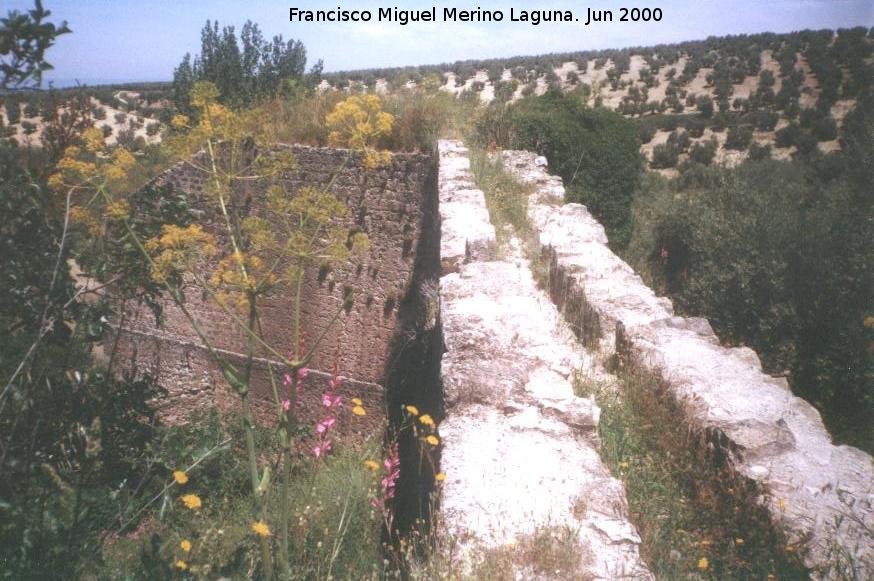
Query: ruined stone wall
point(386, 203)
point(817, 491)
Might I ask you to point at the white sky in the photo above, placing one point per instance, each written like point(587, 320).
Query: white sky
point(145, 39)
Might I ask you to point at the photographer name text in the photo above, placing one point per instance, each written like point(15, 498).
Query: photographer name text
point(404, 17)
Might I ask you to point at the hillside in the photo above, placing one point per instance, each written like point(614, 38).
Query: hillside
point(783, 91)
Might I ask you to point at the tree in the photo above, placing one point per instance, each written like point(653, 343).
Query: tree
point(703, 151)
point(24, 40)
point(705, 106)
point(244, 71)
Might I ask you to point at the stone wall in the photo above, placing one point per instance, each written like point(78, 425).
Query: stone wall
point(386, 203)
point(819, 492)
point(519, 448)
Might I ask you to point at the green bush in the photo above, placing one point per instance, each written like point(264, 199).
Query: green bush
point(759, 152)
point(703, 152)
point(595, 151)
point(664, 156)
point(789, 135)
point(776, 255)
point(738, 137)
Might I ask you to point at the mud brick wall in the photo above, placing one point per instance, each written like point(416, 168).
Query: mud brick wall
point(387, 203)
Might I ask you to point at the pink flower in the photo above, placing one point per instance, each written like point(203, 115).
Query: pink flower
point(302, 373)
point(335, 382)
point(322, 448)
point(664, 254)
point(325, 424)
point(331, 401)
point(286, 405)
point(286, 379)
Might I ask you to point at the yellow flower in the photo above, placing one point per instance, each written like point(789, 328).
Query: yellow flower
point(192, 501)
point(357, 401)
point(738, 541)
point(261, 529)
point(371, 465)
point(781, 504)
point(118, 210)
point(412, 410)
point(185, 545)
point(179, 121)
point(93, 138)
point(433, 440)
point(180, 477)
point(426, 420)
point(440, 477)
point(623, 465)
point(359, 411)
point(869, 322)
point(181, 565)
point(703, 563)
point(771, 577)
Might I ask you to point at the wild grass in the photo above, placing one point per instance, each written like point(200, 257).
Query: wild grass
point(506, 197)
point(335, 533)
point(697, 518)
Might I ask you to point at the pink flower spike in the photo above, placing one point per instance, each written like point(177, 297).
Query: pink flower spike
point(286, 380)
point(322, 448)
point(286, 405)
point(302, 373)
point(325, 425)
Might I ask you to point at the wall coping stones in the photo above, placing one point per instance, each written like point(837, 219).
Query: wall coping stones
point(519, 448)
point(472, 236)
point(815, 489)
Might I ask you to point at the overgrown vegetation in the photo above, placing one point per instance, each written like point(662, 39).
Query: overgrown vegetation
point(696, 518)
point(776, 255)
point(595, 151)
point(506, 198)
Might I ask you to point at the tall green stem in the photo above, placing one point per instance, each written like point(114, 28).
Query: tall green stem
point(286, 476)
point(249, 430)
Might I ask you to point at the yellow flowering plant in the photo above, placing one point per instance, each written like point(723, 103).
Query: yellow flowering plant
point(360, 123)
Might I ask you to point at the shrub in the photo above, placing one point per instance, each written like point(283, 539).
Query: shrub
point(705, 106)
point(703, 151)
point(646, 133)
point(664, 156)
point(595, 151)
point(153, 128)
point(825, 129)
point(680, 140)
point(738, 137)
point(788, 136)
point(31, 109)
point(766, 120)
point(13, 109)
point(759, 152)
point(773, 254)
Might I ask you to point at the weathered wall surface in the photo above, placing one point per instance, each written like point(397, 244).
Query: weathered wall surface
point(519, 448)
point(815, 489)
point(386, 203)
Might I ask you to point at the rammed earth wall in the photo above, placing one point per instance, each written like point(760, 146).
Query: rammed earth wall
point(816, 490)
point(390, 204)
